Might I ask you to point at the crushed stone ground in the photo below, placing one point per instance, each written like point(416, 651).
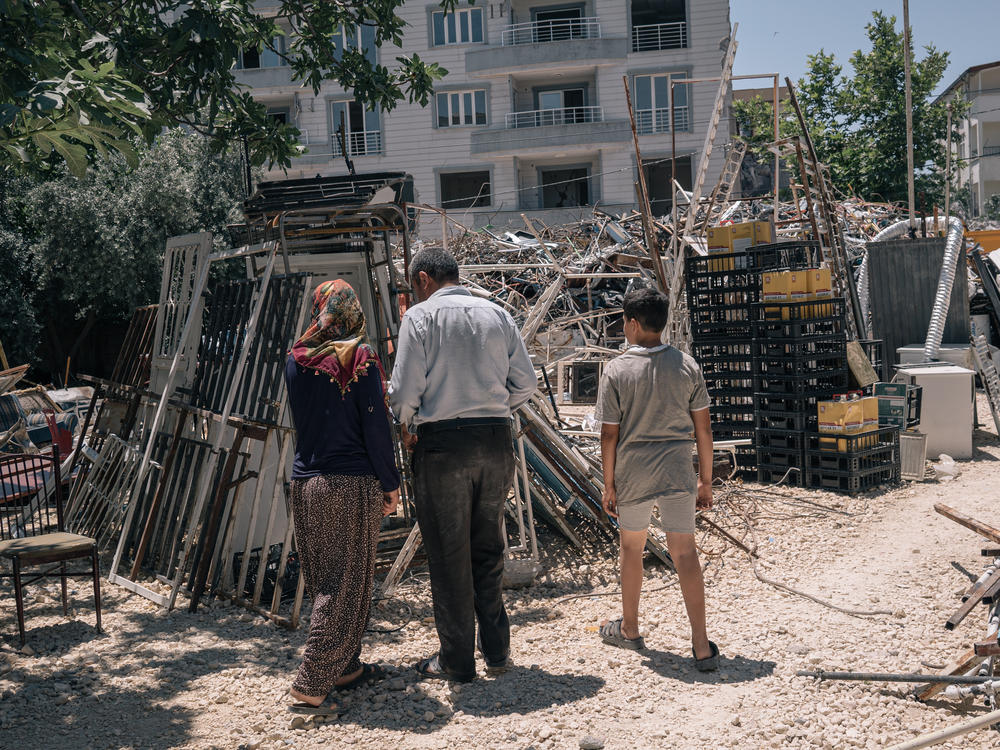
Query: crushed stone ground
point(219, 678)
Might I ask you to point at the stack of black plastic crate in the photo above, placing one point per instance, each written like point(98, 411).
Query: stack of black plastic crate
point(721, 291)
point(799, 358)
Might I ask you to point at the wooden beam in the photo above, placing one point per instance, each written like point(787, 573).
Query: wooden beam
point(964, 663)
point(985, 530)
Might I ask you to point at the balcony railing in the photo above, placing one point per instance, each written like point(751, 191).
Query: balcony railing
point(557, 30)
point(360, 143)
point(537, 118)
point(649, 121)
point(657, 36)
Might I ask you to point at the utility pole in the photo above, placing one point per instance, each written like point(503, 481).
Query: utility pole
point(947, 169)
point(909, 113)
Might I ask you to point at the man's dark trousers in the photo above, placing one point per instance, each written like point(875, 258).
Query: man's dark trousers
point(463, 470)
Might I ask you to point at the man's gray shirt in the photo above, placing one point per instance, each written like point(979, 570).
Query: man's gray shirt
point(458, 357)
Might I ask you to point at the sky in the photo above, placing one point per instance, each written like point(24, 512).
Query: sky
point(775, 36)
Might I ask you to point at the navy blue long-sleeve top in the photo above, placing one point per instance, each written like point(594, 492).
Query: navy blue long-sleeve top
point(340, 434)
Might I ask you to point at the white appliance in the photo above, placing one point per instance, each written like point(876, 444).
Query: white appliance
point(946, 412)
point(957, 354)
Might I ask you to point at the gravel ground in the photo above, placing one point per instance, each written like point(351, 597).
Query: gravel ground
point(218, 679)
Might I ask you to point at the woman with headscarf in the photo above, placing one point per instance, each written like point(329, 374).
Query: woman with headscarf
point(344, 480)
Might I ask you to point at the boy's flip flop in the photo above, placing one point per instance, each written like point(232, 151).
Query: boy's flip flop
point(431, 667)
point(327, 708)
point(709, 663)
point(369, 673)
point(611, 633)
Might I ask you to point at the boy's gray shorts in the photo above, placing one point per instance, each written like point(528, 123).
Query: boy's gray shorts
point(676, 512)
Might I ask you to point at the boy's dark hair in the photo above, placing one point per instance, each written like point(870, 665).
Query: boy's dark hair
point(437, 263)
point(649, 306)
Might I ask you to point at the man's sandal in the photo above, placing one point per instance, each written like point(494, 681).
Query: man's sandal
point(369, 673)
point(611, 633)
point(431, 667)
point(709, 663)
point(327, 708)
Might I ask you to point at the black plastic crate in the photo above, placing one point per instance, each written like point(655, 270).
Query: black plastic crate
point(874, 350)
point(781, 439)
point(780, 457)
point(794, 329)
point(797, 348)
point(784, 403)
point(827, 381)
point(721, 272)
point(785, 420)
point(831, 308)
point(768, 474)
point(746, 462)
point(851, 482)
point(784, 256)
point(805, 365)
point(708, 351)
point(729, 326)
point(732, 430)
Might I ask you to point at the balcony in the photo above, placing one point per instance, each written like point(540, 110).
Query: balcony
point(549, 46)
point(359, 143)
point(659, 36)
point(560, 30)
point(649, 121)
point(538, 118)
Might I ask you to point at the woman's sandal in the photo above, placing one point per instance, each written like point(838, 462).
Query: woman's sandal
point(327, 708)
point(611, 633)
point(709, 663)
point(369, 673)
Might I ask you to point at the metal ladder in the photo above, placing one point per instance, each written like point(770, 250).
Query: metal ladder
point(988, 374)
point(724, 187)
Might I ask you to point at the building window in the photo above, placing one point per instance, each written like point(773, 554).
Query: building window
point(652, 103)
point(658, 25)
point(280, 114)
point(362, 129)
point(659, 182)
point(563, 188)
point(461, 26)
point(461, 108)
point(252, 59)
point(465, 189)
point(359, 37)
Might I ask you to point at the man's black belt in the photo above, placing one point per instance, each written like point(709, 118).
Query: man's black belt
point(461, 424)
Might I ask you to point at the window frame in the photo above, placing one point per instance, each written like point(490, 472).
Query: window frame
point(448, 95)
point(341, 44)
point(333, 124)
point(279, 41)
point(670, 75)
point(441, 173)
point(451, 24)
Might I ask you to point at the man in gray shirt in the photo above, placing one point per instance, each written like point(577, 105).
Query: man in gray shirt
point(461, 370)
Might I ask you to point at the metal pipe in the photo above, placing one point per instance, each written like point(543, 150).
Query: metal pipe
point(890, 677)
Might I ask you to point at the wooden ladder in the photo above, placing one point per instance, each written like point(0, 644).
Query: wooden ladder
point(677, 323)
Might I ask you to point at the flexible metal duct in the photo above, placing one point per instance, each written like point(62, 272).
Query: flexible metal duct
point(942, 299)
point(889, 233)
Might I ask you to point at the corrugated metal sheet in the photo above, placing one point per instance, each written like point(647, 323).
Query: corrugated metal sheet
point(903, 278)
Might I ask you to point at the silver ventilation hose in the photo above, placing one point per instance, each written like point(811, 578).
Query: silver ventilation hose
point(942, 298)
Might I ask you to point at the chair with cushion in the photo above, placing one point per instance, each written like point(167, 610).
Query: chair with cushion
point(31, 529)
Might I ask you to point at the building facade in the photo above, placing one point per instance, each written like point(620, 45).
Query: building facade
point(979, 151)
point(532, 115)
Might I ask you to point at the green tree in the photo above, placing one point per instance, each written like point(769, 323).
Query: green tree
point(858, 122)
point(79, 77)
point(90, 249)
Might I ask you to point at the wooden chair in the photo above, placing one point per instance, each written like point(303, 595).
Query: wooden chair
point(31, 528)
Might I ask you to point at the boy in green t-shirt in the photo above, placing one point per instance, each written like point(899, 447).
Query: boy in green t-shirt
point(652, 405)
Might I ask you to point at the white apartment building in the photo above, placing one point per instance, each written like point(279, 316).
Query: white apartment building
point(980, 130)
point(532, 115)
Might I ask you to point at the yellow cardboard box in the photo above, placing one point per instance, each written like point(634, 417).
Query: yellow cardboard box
point(819, 286)
point(831, 416)
point(869, 414)
point(762, 233)
point(774, 288)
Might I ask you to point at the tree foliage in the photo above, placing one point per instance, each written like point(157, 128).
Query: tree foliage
point(858, 122)
point(79, 77)
point(92, 248)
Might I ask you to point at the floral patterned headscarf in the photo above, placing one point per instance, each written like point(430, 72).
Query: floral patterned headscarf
point(334, 343)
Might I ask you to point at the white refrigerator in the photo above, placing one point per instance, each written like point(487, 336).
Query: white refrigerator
point(946, 412)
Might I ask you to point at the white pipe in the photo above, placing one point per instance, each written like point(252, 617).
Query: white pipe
point(942, 299)
point(936, 738)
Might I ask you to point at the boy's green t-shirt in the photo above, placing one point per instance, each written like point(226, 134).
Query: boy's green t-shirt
point(650, 394)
